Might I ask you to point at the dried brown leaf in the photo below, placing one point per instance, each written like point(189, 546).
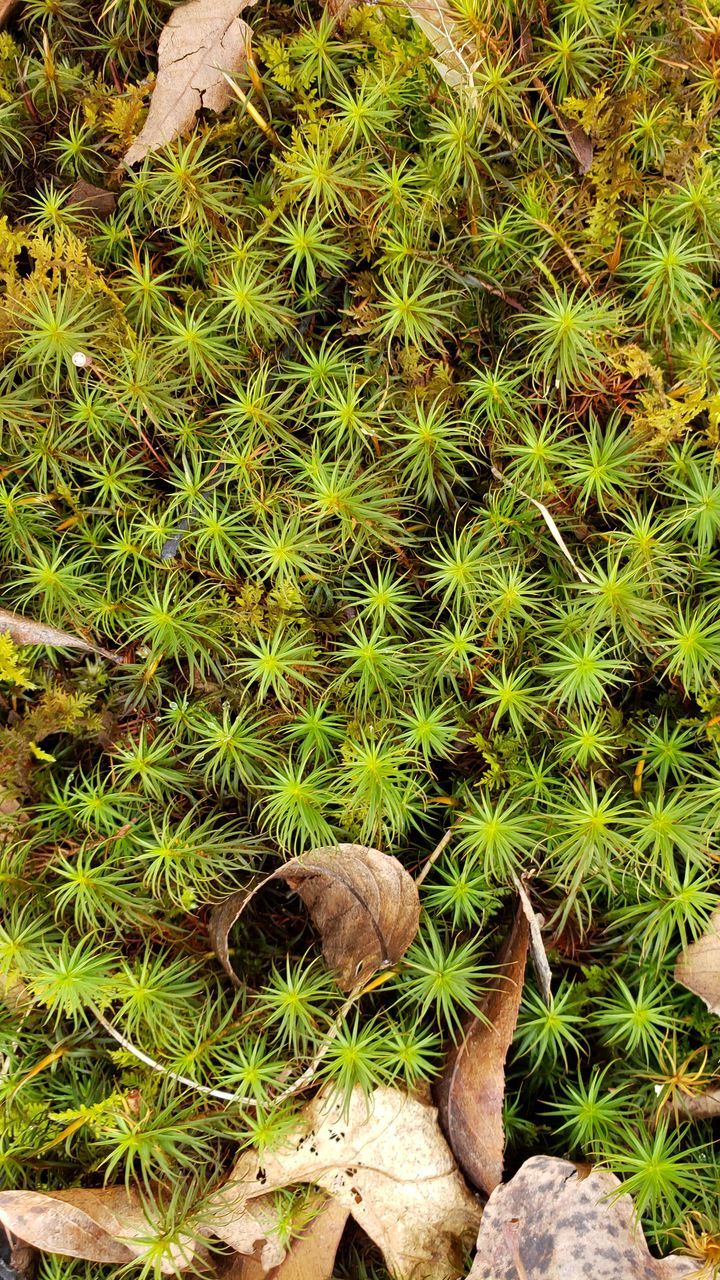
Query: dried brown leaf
point(578, 140)
point(439, 22)
point(96, 200)
point(26, 631)
point(556, 1221)
point(106, 1225)
point(363, 903)
point(7, 8)
point(698, 967)
point(471, 1090)
point(580, 143)
point(312, 1255)
point(200, 41)
point(385, 1161)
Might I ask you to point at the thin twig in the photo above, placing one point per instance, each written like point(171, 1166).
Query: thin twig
point(308, 1074)
point(701, 320)
point(302, 1081)
point(434, 856)
point(223, 1094)
point(546, 517)
point(466, 277)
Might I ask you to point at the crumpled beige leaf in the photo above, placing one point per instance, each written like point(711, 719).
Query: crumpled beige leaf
point(387, 1163)
point(106, 1225)
point(471, 1090)
point(27, 631)
point(694, 1106)
point(556, 1220)
point(698, 967)
point(439, 22)
point(311, 1255)
point(200, 41)
point(363, 902)
point(252, 1232)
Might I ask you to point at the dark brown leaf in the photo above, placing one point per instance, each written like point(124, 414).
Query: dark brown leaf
point(7, 8)
point(200, 41)
point(95, 199)
point(471, 1090)
point(26, 631)
point(222, 919)
point(580, 144)
point(363, 902)
point(556, 1221)
point(698, 967)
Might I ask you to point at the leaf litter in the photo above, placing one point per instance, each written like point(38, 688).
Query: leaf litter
point(698, 967)
point(556, 1220)
point(363, 902)
point(471, 1091)
point(201, 41)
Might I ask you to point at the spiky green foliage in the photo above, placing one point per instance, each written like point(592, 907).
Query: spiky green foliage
point(332, 368)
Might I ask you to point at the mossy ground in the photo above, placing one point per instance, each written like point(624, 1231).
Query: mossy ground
point(333, 368)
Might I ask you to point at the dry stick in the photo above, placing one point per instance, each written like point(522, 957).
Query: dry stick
point(546, 517)
point(157, 1066)
point(434, 856)
point(224, 1095)
point(705, 324)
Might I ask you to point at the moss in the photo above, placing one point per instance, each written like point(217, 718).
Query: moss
point(391, 473)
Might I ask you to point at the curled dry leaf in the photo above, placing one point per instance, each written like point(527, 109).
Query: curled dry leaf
point(311, 1256)
point(7, 8)
point(363, 903)
point(471, 1090)
point(560, 1221)
point(26, 631)
point(107, 1225)
point(385, 1161)
point(580, 143)
point(439, 22)
point(200, 41)
point(698, 967)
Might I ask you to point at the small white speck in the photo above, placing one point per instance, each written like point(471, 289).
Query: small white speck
point(79, 359)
